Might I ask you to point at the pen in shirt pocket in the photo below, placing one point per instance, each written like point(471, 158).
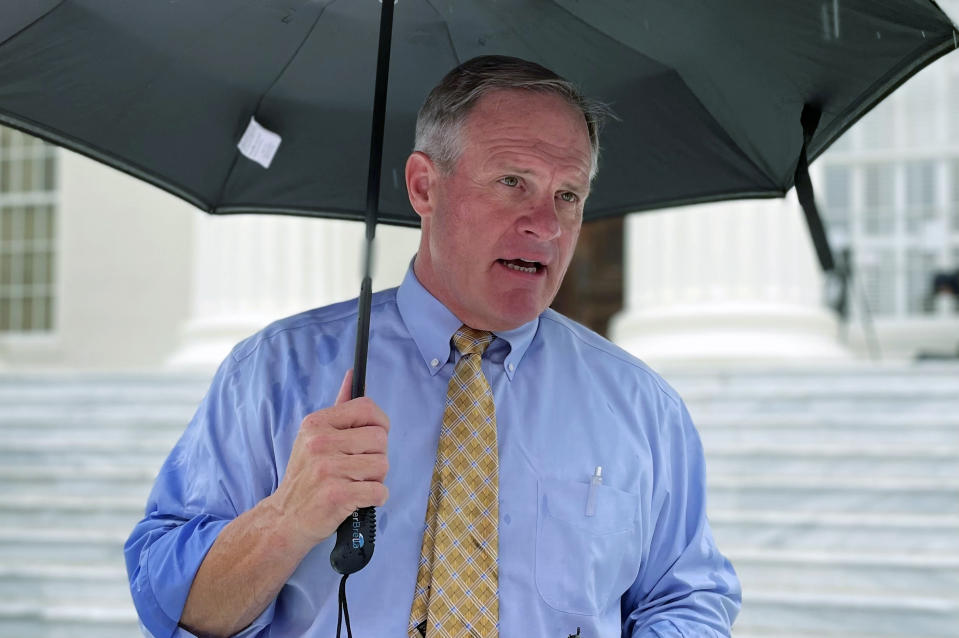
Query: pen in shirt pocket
point(595, 481)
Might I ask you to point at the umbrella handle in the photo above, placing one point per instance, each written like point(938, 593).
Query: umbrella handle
point(355, 537)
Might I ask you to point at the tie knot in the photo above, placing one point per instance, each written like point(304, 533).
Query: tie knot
point(470, 341)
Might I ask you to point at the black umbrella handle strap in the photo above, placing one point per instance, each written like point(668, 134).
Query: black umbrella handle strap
point(810, 120)
point(342, 610)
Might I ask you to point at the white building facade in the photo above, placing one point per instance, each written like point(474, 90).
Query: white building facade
point(100, 271)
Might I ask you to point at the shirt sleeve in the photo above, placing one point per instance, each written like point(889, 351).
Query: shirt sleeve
point(687, 588)
point(220, 467)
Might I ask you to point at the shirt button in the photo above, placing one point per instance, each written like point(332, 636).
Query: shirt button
point(435, 362)
point(511, 367)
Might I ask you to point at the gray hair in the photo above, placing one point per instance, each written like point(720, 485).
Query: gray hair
point(442, 115)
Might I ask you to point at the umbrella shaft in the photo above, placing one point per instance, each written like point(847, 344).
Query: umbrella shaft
point(362, 337)
point(379, 116)
point(373, 196)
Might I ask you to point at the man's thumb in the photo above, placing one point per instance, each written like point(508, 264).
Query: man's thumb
point(346, 388)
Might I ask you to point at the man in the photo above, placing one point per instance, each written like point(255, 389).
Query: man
point(599, 515)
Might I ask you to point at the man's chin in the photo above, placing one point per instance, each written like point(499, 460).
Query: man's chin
point(511, 316)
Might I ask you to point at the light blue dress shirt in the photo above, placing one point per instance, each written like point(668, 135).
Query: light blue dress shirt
point(567, 401)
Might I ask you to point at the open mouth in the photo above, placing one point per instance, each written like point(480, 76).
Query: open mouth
point(521, 265)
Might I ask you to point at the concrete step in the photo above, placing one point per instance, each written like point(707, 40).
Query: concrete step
point(881, 573)
point(20, 618)
point(80, 388)
point(96, 416)
point(818, 531)
point(867, 494)
point(128, 482)
point(59, 473)
point(38, 441)
point(843, 615)
point(938, 410)
point(22, 548)
point(65, 584)
point(907, 381)
point(828, 459)
point(101, 511)
point(838, 429)
point(40, 457)
point(780, 632)
point(137, 436)
point(114, 521)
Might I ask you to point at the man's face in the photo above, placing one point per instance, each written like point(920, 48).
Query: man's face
point(500, 229)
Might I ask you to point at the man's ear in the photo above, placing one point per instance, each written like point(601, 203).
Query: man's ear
point(421, 183)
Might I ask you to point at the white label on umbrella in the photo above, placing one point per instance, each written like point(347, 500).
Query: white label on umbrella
point(259, 144)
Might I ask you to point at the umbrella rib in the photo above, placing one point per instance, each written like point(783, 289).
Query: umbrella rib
point(259, 102)
point(879, 90)
point(614, 211)
point(36, 20)
point(446, 27)
point(759, 169)
point(328, 213)
point(83, 147)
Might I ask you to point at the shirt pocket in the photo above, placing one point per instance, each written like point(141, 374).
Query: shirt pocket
point(584, 563)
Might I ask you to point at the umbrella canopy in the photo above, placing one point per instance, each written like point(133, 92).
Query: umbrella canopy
point(709, 94)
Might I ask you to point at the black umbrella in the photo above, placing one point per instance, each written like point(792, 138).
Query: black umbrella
point(717, 100)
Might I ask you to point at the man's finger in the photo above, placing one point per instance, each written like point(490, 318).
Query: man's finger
point(363, 467)
point(346, 388)
point(362, 440)
point(368, 493)
point(356, 413)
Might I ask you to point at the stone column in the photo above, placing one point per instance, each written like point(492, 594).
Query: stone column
point(252, 269)
point(728, 283)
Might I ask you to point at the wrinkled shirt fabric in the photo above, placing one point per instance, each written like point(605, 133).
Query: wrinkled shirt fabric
point(644, 564)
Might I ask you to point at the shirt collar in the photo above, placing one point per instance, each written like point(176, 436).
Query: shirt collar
point(432, 325)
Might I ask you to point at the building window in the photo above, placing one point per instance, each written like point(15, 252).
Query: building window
point(952, 91)
point(28, 175)
point(954, 200)
point(877, 272)
point(920, 103)
point(837, 208)
point(920, 266)
point(920, 196)
point(879, 204)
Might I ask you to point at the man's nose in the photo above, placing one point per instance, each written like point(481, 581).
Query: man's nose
point(541, 220)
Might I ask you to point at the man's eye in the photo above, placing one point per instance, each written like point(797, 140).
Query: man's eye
point(510, 180)
point(569, 197)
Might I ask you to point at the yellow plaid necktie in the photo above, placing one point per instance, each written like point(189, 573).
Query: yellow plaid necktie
point(457, 583)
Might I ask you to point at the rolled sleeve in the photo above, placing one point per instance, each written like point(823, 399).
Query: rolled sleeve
point(687, 588)
point(162, 559)
point(214, 473)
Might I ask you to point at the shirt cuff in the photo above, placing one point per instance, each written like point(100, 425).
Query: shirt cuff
point(166, 570)
point(259, 624)
point(669, 629)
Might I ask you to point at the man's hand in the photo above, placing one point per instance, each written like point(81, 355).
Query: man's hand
point(337, 465)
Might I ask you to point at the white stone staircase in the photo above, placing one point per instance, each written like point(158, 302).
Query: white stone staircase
point(836, 495)
point(834, 492)
point(77, 457)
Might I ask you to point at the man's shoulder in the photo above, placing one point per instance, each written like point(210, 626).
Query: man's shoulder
point(335, 320)
point(600, 354)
